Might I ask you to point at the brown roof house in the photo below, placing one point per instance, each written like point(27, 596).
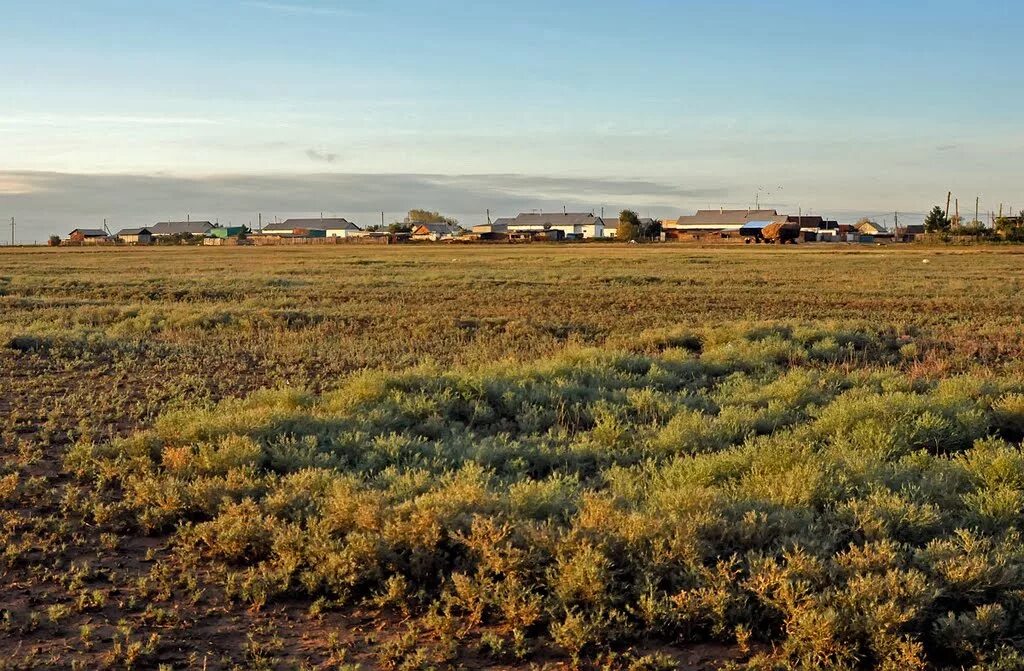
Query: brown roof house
point(435, 231)
point(88, 236)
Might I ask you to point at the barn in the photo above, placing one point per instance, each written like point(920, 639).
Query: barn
point(135, 236)
point(88, 236)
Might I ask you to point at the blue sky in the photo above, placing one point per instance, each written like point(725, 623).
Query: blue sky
point(835, 108)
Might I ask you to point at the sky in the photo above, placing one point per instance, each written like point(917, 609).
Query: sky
point(142, 111)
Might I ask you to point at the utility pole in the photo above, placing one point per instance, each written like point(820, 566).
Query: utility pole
point(12, 231)
point(957, 211)
point(976, 203)
point(949, 196)
point(382, 220)
point(260, 219)
point(896, 224)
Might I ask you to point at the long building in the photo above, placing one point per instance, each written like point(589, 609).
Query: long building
point(710, 221)
point(165, 229)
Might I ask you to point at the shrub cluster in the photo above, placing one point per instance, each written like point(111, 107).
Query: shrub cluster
point(779, 485)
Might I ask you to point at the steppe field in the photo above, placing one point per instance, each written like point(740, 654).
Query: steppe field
point(610, 457)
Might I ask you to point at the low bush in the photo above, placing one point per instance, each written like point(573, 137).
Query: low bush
point(702, 487)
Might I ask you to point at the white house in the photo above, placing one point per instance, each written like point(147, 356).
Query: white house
point(573, 225)
point(334, 227)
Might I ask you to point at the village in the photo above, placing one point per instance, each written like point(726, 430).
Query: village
point(748, 226)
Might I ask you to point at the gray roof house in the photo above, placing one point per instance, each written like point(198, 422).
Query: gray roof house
point(88, 233)
point(166, 228)
point(319, 223)
point(572, 224)
point(711, 220)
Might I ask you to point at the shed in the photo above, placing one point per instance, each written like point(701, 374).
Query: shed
point(135, 236)
point(88, 235)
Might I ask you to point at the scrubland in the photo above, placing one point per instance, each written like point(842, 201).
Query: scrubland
point(612, 457)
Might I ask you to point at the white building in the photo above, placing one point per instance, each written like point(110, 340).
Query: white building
point(333, 227)
point(573, 225)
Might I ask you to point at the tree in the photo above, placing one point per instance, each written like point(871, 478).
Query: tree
point(400, 227)
point(1011, 228)
point(54, 241)
point(936, 221)
point(629, 225)
point(651, 229)
point(417, 217)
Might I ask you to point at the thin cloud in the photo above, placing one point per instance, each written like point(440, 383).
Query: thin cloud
point(75, 120)
point(49, 202)
point(320, 156)
point(295, 8)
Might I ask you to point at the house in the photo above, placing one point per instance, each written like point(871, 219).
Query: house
point(806, 222)
point(870, 232)
point(871, 228)
point(718, 221)
point(544, 235)
point(911, 233)
point(434, 231)
point(573, 225)
point(166, 229)
point(333, 227)
point(88, 236)
point(296, 228)
point(135, 236)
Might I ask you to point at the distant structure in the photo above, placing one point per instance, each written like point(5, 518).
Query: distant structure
point(88, 236)
point(166, 229)
point(135, 236)
point(435, 231)
point(333, 227)
point(711, 221)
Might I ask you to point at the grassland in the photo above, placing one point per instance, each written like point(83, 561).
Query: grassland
point(634, 457)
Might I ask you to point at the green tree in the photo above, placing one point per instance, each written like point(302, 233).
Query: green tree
point(417, 217)
point(936, 221)
point(629, 225)
point(54, 241)
point(651, 229)
point(1011, 228)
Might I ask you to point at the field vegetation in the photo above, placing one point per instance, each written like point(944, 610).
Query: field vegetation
point(615, 457)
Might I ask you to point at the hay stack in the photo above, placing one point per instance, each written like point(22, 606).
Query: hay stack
point(772, 231)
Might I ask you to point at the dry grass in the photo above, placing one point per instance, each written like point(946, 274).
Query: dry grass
point(637, 456)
